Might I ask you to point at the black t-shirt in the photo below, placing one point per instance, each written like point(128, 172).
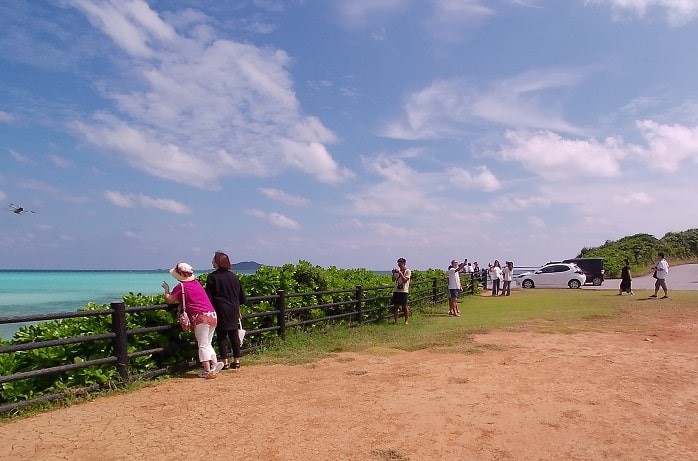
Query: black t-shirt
point(226, 294)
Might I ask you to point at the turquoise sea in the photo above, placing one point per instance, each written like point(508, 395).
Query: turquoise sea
point(37, 292)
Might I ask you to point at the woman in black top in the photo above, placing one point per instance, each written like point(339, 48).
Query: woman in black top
point(625, 279)
point(226, 294)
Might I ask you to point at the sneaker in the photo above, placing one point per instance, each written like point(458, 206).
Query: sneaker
point(653, 296)
point(203, 373)
point(217, 368)
point(665, 297)
point(226, 366)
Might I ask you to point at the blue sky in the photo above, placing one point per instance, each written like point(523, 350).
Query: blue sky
point(345, 133)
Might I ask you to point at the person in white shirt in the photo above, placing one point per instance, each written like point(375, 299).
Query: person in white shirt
point(495, 275)
point(470, 273)
point(454, 286)
point(661, 273)
point(507, 274)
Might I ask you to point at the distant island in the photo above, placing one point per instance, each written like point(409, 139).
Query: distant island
point(247, 266)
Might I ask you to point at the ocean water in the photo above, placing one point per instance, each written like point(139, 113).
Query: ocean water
point(38, 292)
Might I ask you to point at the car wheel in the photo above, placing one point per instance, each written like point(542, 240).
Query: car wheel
point(528, 283)
point(597, 281)
point(574, 284)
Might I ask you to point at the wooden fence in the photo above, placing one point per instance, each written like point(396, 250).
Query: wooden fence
point(351, 307)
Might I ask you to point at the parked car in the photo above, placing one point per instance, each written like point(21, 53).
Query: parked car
point(592, 267)
point(553, 275)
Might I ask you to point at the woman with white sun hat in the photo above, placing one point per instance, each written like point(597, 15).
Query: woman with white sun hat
point(193, 297)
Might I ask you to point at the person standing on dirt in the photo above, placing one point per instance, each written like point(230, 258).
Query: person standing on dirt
point(192, 298)
point(625, 279)
point(661, 271)
point(401, 277)
point(225, 291)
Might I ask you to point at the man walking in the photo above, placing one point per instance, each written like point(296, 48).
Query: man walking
point(661, 271)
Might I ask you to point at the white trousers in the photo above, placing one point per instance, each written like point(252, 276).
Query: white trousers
point(204, 336)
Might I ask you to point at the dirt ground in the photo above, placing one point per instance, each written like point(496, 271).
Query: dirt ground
point(627, 390)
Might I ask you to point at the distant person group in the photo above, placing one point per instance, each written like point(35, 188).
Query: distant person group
point(501, 277)
point(401, 276)
point(211, 309)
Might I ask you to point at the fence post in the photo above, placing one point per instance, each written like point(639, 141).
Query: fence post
point(434, 291)
point(281, 316)
point(359, 297)
point(118, 325)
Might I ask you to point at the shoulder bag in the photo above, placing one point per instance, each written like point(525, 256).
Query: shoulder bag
point(184, 320)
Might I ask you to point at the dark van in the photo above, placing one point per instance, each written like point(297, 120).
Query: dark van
point(592, 267)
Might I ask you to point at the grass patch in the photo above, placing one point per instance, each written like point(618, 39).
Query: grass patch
point(552, 311)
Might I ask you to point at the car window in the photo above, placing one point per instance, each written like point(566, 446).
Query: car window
point(560, 268)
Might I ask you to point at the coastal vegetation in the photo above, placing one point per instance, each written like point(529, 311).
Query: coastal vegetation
point(641, 250)
point(322, 285)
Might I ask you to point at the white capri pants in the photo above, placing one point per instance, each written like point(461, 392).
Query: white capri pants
point(204, 337)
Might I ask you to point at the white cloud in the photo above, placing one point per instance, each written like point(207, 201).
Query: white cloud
point(451, 18)
point(444, 20)
point(556, 158)
point(6, 117)
point(275, 219)
point(517, 203)
point(19, 157)
point(132, 25)
point(388, 230)
point(536, 222)
point(669, 145)
point(483, 180)
point(642, 198)
point(202, 108)
point(357, 12)
point(133, 235)
point(133, 200)
point(399, 188)
point(678, 12)
point(59, 161)
point(283, 197)
point(446, 107)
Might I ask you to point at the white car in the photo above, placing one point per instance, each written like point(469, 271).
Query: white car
point(559, 275)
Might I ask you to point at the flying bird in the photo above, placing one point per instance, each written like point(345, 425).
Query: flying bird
point(18, 209)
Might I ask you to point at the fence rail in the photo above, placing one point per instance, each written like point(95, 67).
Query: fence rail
point(118, 349)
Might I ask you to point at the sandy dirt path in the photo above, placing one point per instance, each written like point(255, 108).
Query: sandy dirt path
point(606, 394)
